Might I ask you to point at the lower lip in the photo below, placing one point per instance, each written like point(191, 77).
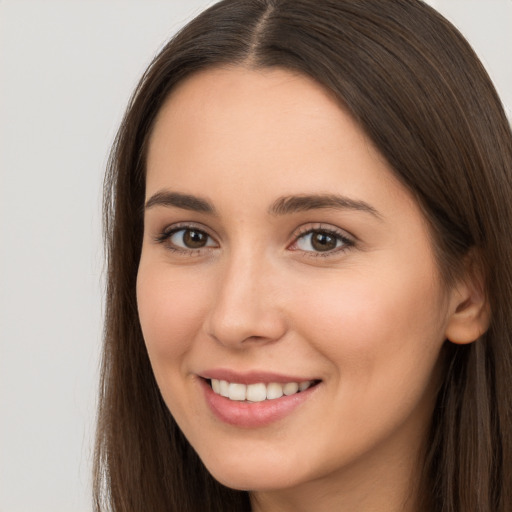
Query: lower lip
point(253, 414)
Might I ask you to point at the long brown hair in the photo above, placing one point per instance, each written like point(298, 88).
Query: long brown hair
point(419, 92)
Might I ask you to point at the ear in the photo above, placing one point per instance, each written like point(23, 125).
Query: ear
point(469, 307)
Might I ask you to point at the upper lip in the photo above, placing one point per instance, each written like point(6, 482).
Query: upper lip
point(251, 377)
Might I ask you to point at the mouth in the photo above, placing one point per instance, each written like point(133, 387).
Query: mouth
point(258, 392)
point(259, 401)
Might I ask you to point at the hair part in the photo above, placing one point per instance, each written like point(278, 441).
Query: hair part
point(418, 91)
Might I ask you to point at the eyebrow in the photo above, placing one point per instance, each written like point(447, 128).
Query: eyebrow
point(285, 205)
point(300, 203)
point(183, 201)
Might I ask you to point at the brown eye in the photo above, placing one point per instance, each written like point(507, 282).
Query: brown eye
point(322, 241)
point(190, 238)
point(194, 239)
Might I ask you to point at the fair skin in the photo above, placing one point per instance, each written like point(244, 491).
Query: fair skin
point(346, 296)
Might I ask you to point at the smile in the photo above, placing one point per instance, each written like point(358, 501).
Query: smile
point(258, 392)
point(258, 402)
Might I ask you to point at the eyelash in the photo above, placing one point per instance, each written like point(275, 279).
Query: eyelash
point(338, 235)
point(165, 236)
point(347, 243)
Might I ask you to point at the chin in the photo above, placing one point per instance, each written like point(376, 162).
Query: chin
point(251, 482)
point(247, 476)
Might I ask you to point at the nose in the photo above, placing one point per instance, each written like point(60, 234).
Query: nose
point(246, 306)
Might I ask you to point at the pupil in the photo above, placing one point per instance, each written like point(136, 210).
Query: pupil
point(194, 239)
point(323, 241)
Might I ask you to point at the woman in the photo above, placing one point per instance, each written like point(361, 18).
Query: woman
point(309, 294)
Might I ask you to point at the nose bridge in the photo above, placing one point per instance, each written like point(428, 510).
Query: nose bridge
point(245, 307)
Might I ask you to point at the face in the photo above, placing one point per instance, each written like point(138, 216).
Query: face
point(284, 266)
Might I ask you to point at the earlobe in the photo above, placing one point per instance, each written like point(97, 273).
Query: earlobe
point(469, 307)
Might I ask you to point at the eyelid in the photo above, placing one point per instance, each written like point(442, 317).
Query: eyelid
point(165, 234)
point(348, 239)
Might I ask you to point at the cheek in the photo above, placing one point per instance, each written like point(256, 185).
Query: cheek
point(382, 336)
point(170, 309)
point(378, 326)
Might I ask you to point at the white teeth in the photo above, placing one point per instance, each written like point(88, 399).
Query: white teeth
point(304, 385)
point(237, 391)
point(274, 390)
point(290, 388)
point(224, 388)
point(216, 386)
point(257, 392)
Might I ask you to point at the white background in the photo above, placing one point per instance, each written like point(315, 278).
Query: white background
point(67, 69)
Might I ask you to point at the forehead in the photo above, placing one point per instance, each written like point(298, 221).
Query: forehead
point(265, 107)
point(231, 85)
point(271, 131)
